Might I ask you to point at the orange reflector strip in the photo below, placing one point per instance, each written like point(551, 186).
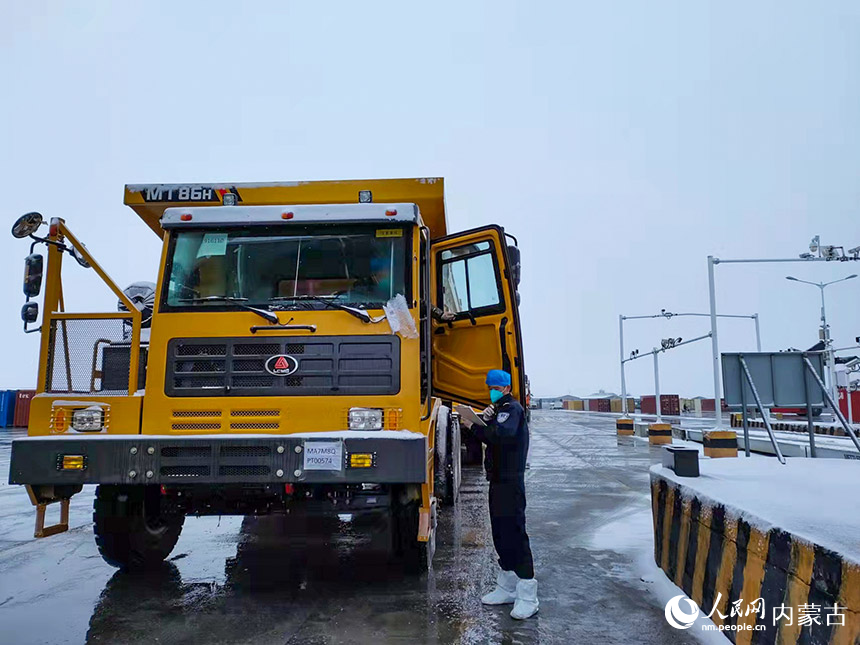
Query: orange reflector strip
point(391, 213)
point(286, 215)
point(185, 217)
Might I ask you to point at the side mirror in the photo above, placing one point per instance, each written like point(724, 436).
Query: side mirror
point(30, 312)
point(33, 265)
point(26, 225)
point(516, 266)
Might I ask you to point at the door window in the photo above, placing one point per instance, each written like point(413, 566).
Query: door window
point(468, 279)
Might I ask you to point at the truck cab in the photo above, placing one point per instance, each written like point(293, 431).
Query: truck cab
point(302, 350)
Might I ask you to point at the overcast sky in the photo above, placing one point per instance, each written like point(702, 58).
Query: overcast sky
point(621, 142)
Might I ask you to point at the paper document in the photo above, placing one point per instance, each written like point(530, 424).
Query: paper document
point(469, 415)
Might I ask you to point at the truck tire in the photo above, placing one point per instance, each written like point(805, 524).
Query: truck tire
point(131, 530)
point(415, 556)
point(447, 465)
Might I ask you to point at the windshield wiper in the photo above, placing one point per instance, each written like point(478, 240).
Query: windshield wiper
point(361, 314)
point(239, 302)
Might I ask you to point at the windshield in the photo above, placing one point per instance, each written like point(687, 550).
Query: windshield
point(276, 266)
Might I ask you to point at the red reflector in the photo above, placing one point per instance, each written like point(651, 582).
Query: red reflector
point(163, 490)
point(185, 217)
point(288, 489)
point(54, 228)
point(286, 216)
point(391, 213)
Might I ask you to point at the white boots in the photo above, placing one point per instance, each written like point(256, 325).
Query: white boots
point(526, 604)
point(511, 589)
point(505, 591)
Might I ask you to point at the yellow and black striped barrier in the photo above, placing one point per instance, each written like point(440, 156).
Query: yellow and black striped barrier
point(719, 559)
point(659, 433)
point(720, 443)
point(624, 426)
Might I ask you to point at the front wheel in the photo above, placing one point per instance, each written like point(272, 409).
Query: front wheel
point(416, 556)
point(133, 531)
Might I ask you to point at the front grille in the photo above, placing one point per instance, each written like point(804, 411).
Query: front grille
point(330, 365)
point(193, 452)
point(244, 471)
point(255, 413)
point(255, 426)
point(196, 426)
point(259, 349)
point(184, 471)
point(201, 350)
point(196, 413)
point(245, 451)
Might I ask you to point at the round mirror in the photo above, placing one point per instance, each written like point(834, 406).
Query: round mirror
point(80, 257)
point(26, 225)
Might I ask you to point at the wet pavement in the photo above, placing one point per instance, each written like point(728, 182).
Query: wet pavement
point(268, 580)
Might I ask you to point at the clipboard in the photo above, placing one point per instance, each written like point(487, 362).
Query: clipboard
point(469, 415)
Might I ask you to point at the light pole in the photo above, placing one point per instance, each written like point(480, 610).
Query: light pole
point(825, 330)
point(668, 314)
point(668, 343)
point(824, 254)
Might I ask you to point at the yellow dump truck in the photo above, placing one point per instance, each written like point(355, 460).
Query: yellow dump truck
point(299, 352)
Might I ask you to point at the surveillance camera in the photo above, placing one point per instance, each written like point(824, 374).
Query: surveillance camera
point(806, 256)
point(855, 250)
point(813, 245)
point(854, 362)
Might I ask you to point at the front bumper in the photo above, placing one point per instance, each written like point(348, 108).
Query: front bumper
point(399, 457)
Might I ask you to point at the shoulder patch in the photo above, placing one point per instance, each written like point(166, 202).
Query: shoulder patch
point(501, 417)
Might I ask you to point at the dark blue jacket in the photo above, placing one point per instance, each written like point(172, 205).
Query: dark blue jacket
point(507, 440)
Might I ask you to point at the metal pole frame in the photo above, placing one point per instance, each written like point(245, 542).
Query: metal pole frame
point(848, 429)
point(713, 303)
point(715, 346)
point(657, 403)
point(744, 417)
point(623, 380)
point(761, 410)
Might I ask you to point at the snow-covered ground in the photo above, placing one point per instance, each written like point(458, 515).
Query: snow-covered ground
point(813, 499)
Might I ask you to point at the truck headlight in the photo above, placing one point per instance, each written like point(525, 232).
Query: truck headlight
point(88, 420)
point(365, 419)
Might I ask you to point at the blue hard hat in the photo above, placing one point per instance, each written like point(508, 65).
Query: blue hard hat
point(498, 378)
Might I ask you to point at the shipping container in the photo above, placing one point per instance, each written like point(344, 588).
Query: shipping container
point(670, 404)
point(855, 404)
point(22, 407)
point(603, 405)
point(7, 408)
point(648, 404)
point(708, 405)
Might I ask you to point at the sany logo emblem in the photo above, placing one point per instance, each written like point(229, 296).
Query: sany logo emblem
point(281, 365)
point(677, 617)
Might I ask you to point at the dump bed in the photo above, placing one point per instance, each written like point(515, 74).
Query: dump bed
point(150, 200)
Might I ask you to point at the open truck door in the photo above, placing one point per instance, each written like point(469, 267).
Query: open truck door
point(475, 278)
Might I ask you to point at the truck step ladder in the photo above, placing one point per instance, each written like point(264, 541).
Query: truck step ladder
point(45, 531)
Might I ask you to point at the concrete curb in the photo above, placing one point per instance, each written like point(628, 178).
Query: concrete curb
point(706, 551)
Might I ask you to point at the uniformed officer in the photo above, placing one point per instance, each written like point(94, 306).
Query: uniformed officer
point(506, 436)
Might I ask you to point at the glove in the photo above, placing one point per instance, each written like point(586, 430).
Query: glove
point(488, 413)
